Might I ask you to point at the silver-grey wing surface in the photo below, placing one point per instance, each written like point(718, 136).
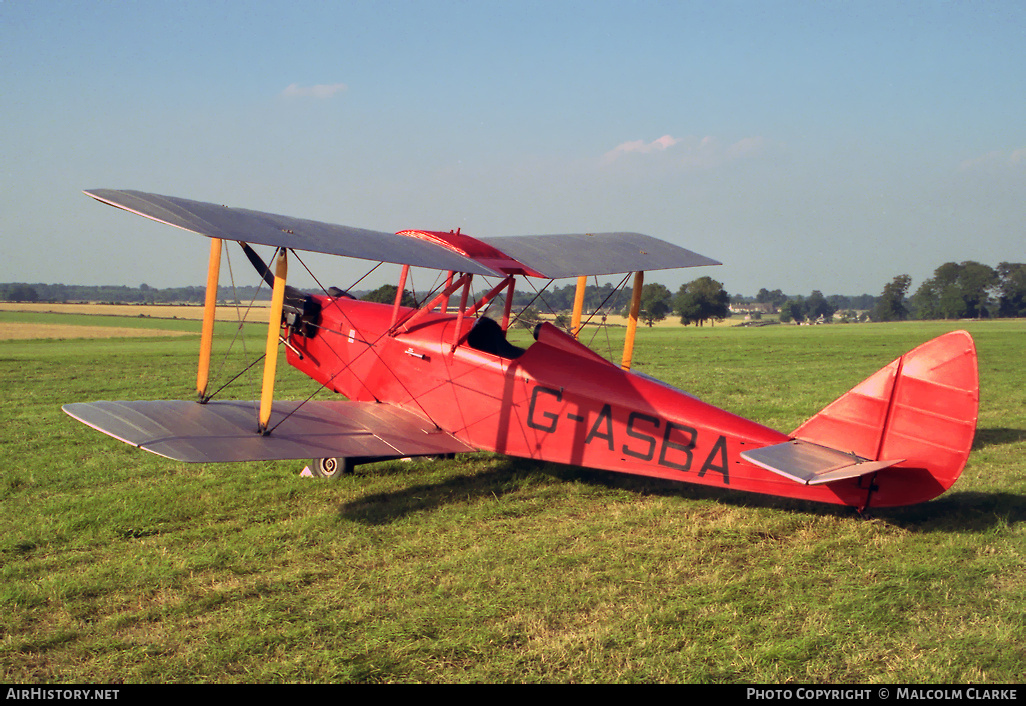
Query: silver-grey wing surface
point(812, 464)
point(226, 431)
point(550, 256)
point(573, 255)
point(216, 221)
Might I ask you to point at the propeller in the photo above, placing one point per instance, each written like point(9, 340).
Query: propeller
point(301, 312)
point(258, 264)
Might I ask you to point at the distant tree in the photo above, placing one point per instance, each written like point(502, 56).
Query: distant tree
point(656, 303)
point(956, 291)
point(925, 303)
point(863, 302)
point(891, 305)
point(597, 296)
point(528, 318)
point(385, 294)
point(562, 298)
point(1011, 289)
point(702, 300)
point(817, 307)
point(557, 299)
point(22, 293)
point(975, 282)
point(793, 310)
point(776, 297)
point(839, 302)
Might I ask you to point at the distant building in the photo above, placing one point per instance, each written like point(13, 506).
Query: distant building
point(752, 308)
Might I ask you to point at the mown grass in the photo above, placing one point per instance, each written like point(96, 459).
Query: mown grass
point(119, 566)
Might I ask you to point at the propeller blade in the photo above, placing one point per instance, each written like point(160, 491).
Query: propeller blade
point(300, 311)
point(258, 263)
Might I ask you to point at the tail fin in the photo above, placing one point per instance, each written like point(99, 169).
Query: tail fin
point(921, 407)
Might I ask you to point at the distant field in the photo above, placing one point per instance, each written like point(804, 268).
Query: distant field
point(120, 566)
point(76, 321)
point(179, 311)
point(14, 330)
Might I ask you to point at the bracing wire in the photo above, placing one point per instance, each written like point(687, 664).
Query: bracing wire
point(323, 385)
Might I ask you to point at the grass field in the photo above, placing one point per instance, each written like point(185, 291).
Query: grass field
point(119, 566)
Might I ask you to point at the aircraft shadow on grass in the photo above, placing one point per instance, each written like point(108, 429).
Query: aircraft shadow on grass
point(958, 511)
point(996, 436)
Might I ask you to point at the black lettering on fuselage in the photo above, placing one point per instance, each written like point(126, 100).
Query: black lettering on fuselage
point(676, 444)
point(635, 434)
point(664, 460)
point(553, 418)
point(606, 415)
point(719, 452)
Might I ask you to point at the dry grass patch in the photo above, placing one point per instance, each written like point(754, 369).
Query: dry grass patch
point(156, 311)
point(20, 331)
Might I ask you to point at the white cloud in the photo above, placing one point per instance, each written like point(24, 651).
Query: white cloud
point(747, 147)
point(694, 152)
point(997, 158)
point(642, 147)
point(323, 90)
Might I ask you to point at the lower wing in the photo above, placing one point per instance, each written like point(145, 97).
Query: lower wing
point(226, 431)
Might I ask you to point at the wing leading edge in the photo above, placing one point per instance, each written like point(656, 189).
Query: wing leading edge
point(226, 431)
point(547, 256)
point(216, 221)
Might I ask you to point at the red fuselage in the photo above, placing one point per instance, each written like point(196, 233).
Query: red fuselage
point(557, 401)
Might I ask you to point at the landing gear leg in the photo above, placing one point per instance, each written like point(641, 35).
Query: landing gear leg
point(332, 467)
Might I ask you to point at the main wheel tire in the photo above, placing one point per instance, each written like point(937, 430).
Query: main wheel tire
point(331, 467)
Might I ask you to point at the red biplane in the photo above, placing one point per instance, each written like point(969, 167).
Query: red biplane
point(430, 380)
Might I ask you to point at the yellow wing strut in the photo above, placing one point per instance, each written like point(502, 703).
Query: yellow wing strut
point(632, 321)
point(575, 321)
point(281, 269)
point(209, 309)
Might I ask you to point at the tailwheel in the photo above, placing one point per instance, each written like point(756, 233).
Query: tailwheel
point(332, 467)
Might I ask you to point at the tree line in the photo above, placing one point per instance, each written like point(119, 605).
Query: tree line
point(699, 301)
point(113, 294)
point(956, 291)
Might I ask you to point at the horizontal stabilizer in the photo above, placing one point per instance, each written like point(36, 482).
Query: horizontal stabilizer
point(226, 431)
point(812, 464)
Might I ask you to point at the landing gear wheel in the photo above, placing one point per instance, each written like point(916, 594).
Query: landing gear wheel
point(331, 467)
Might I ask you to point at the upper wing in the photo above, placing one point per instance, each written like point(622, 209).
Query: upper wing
point(215, 221)
point(548, 256)
point(226, 431)
point(559, 256)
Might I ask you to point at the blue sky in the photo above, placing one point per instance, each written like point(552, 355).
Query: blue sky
point(820, 145)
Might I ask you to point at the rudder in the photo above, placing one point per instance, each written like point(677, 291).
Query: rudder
point(921, 407)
